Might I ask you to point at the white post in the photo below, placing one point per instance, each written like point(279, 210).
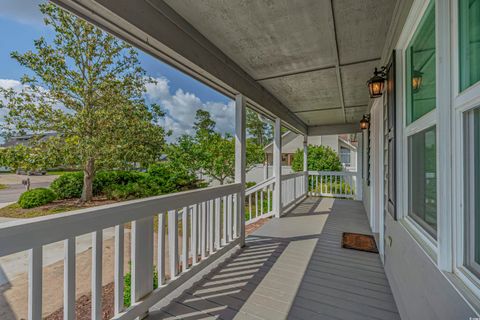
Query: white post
point(277, 168)
point(240, 160)
point(305, 163)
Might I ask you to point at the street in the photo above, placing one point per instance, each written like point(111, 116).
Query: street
point(15, 188)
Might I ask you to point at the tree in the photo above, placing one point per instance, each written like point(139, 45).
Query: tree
point(319, 158)
point(211, 152)
point(88, 87)
point(258, 127)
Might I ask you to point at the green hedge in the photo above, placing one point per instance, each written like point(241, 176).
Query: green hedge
point(68, 185)
point(36, 197)
point(121, 185)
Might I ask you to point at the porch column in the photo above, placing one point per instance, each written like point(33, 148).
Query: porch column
point(305, 162)
point(240, 159)
point(277, 168)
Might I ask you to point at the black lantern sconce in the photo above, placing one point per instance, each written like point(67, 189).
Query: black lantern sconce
point(365, 122)
point(376, 83)
point(417, 77)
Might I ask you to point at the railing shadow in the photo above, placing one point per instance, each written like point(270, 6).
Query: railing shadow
point(226, 290)
point(6, 311)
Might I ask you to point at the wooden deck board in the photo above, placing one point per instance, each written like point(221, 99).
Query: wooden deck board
point(295, 268)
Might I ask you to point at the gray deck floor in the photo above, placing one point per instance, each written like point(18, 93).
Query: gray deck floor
point(295, 268)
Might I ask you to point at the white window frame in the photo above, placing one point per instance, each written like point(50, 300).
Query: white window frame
point(427, 242)
point(463, 102)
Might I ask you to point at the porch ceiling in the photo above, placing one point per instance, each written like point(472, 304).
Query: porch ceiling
point(313, 55)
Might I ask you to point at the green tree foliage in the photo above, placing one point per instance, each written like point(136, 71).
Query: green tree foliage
point(210, 152)
point(259, 128)
point(88, 87)
point(320, 158)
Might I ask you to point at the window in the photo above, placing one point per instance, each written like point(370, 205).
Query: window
point(345, 156)
point(469, 36)
point(472, 190)
point(422, 195)
point(420, 68)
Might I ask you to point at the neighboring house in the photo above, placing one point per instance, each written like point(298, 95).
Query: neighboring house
point(341, 144)
point(25, 139)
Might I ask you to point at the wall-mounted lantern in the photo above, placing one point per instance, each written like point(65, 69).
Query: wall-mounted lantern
point(417, 77)
point(365, 122)
point(376, 83)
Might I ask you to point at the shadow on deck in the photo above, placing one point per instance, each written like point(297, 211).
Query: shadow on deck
point(295, 268)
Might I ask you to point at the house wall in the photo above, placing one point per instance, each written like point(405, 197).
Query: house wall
point(422, 288)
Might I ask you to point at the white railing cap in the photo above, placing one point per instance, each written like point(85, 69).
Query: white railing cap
point(22, 235)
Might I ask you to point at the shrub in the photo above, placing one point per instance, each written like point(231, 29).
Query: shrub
point(250, 184)
point(319, 158)
point(127, 286)
point(68, 185)
point(36, 197)
point(170, 178)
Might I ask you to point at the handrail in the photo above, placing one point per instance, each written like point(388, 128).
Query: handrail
point(53, 228)
point(260, 186)
point(293, 174)
point(333, 173)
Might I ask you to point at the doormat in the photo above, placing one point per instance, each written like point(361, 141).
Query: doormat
point(357, 241)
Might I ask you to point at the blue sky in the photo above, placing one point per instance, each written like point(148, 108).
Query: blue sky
point(180, 95)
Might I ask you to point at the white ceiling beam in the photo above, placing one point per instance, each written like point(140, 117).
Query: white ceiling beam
point(337, 64)
point(154, 27)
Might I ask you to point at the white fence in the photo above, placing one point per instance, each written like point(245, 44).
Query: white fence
point(209, 227)
point(337, 184)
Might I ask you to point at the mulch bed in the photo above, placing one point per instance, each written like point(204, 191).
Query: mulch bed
point(249, 229)
point(83, 307)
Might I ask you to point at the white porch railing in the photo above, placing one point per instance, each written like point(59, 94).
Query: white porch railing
point(293, 188)
point(338, 184)
point(200, 225)
point(259, 202)
point(209, 222)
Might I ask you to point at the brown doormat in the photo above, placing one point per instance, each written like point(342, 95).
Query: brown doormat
point(357, 241)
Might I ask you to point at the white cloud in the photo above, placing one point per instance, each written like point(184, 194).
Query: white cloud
point(23, 11)
point(181, 107)
point(10, 83)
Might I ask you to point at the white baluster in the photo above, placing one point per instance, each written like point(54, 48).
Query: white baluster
point(97, 254)
point(194, 234)
point(203, 228)
point(217, 223)
point(185, 227)
point(161, 249)
point(69, 279)
point(35, 283)
point(173, 243)
point(118, 270)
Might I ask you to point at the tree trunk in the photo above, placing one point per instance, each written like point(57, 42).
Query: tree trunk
point(88, 174)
